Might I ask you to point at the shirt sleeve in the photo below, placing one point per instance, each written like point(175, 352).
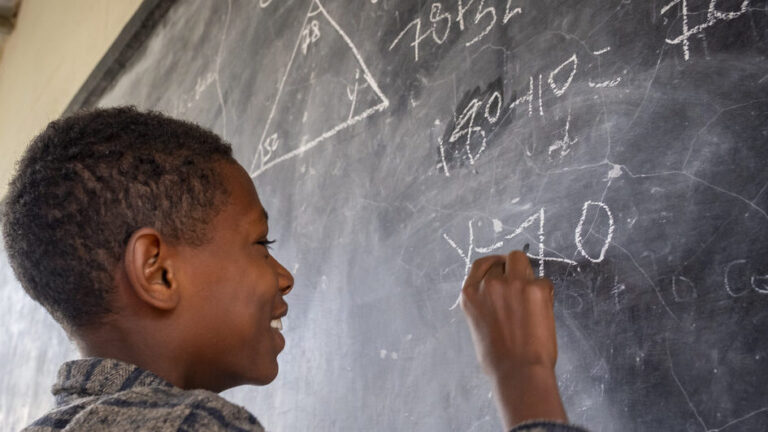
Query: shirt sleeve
point(546, 426)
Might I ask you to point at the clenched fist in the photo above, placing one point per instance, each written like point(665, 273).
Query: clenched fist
point(511, 318)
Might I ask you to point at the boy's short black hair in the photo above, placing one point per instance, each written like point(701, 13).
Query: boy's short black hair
point(86, 183)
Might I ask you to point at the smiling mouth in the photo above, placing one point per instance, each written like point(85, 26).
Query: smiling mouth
point(276, 324)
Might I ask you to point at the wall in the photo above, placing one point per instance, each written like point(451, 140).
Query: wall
point(51, 52)
point(54, 47)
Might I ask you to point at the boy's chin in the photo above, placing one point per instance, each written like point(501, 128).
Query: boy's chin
point(264, 376)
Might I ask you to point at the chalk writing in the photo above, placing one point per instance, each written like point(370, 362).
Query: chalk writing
point(565, 144)
point(728, 286)
point(578, 234)
point(474, 136)
point(352, 93)
point(509, 12)
point(437, 16)
point(466, 253)
point(490, 14)
point(259, 164)
point(309, 35)
point(610, 83)
point(529, 98)
point(441, 21)
point(714, 16)
point(601, 51)
point(465, 127)
point(269, 147)
point(559, 86)
point(465, 256)
point(443, 163)
point(559, 80)
point(757, 283)
point(493, 107)
point(466, 135)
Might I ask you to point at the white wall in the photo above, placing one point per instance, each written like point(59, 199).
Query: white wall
point(54, 47)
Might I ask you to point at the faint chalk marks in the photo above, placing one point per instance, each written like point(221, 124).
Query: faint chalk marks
point(186, 101)
point(690, 403)
point(571, 302)
point(683, 289)
point(680, 385)
point(219, 54)
point(616, 290)
point(651, 282)
point(750, 203)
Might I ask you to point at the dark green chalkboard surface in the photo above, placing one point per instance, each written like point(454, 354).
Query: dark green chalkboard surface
point(393, 142)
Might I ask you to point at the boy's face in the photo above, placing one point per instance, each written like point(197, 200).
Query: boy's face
point(231, 289)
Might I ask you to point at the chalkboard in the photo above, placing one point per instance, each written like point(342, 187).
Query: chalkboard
point(394, 141)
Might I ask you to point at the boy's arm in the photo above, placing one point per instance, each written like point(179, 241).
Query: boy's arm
point(511, 319)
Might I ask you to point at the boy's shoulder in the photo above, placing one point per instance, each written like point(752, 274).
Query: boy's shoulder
point(105, 394)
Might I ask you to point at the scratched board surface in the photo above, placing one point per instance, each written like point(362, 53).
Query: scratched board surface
point(393, 142)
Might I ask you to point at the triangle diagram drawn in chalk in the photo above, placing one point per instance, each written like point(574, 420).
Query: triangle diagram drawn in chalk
point(326, 88)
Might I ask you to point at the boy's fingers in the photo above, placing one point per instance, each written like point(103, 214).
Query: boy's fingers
point(519, 266)
point(479, 269)
point(496, 271)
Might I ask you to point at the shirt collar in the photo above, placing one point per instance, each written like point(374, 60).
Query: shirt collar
point(98, 377)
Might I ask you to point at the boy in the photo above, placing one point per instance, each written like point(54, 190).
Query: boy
point(146, 241)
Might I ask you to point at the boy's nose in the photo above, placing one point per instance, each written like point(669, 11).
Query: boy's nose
point(284, 279)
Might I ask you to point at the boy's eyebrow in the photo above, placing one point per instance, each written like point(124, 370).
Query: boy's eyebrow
point(254, 220)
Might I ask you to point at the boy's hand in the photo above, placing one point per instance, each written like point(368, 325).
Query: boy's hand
point(511, 318)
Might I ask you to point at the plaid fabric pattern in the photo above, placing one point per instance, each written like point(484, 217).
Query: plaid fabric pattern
point(98, 394)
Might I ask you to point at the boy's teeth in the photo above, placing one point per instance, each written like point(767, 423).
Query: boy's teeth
point(276, 324)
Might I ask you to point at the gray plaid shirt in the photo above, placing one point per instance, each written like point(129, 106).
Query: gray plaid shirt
point(97, 394)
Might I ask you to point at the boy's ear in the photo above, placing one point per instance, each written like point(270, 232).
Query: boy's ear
point(150, 270)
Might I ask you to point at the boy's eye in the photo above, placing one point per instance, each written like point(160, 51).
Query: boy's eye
point(266, 243)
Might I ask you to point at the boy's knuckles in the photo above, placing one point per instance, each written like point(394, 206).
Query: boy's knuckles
point(482, 263)
point(538, 293)
point(500, 284)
